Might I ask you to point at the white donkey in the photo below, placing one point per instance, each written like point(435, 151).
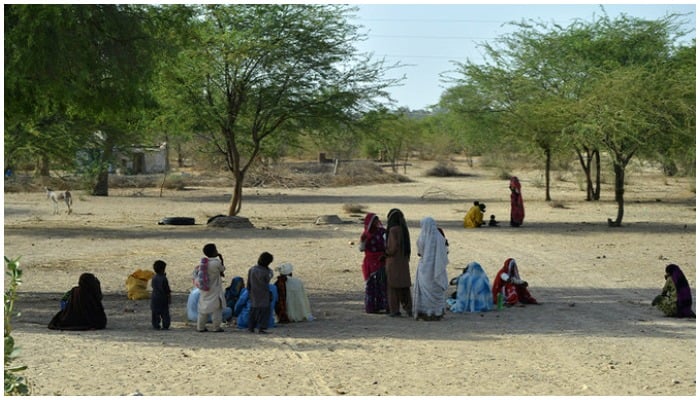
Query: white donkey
point(55, 197)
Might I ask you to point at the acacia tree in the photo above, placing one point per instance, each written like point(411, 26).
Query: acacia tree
point(467, 113)
point(617, 85)
point(639, 98)
point(526, 87)
point(391, 132)
point(72, 71)
point(249, 72)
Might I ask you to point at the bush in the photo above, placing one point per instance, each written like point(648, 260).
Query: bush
point(443, 170)
point(14, 384)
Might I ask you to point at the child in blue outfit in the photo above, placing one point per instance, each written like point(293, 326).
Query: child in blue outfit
point(160, 297)
point(242, 309)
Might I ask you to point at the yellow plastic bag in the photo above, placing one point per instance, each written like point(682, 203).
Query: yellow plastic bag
point(137, 285)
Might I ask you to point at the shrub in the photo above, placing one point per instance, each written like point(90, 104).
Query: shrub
point(443, 170)
point(14, 384)
point(352, 208)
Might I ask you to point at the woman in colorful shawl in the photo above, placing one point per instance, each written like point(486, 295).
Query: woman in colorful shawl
point(508, 283)
point(517, 208)
point(473, 291)
point(84, 310)
point(373, 244)
point(675, 299)
point(398, 256)
point(431, 275)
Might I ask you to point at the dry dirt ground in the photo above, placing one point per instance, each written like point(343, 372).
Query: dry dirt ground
point(594, 334)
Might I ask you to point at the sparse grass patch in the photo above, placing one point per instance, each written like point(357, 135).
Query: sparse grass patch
point(557, 204)
point(173, 181)
point(503, 174)
point(351, 208)
point(538, 181)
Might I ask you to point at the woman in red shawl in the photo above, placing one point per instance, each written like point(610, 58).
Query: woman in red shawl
point(373, 244)
point(508, 283)
point(517, 208)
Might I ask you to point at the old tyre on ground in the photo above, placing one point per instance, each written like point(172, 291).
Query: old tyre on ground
point(177, 221)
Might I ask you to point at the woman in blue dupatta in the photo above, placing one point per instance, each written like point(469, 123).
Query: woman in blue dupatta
point(473, 291)
point(675, 299)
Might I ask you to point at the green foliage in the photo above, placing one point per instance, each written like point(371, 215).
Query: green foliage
point(392, 135)
point(252, 77)
point(71, 71)
point(14, 384)
point(622, 86)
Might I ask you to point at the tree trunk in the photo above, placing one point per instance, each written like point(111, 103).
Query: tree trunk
point(596, 192)
point(101, 187)
point(167, 154)
point(237, 197)
point(586, 165)
point(547, 168)
point(619, 194)
point(42, 167)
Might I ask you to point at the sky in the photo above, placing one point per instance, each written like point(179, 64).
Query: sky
point(429, 38)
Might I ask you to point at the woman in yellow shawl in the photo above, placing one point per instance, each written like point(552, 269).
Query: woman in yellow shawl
point(475, 216)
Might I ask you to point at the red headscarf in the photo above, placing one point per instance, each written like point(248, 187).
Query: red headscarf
point(369, 220)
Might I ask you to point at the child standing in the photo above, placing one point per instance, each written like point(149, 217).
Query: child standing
point(259, 277)
point(211, 300)
point(160, 297)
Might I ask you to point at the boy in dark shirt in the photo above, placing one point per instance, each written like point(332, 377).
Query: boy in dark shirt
point(160, 297)
point(259, 277)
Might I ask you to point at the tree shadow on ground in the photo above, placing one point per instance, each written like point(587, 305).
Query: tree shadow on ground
point(340, 320)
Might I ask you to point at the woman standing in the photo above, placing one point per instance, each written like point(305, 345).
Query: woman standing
point(517, 208)
point(373, 244)
point(431, 275)
point(398, 255)
point(675, 299)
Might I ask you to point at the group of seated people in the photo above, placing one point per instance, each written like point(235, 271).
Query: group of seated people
point(289, 301)
point(474, 218)
point(475, 293)
point(81, 307)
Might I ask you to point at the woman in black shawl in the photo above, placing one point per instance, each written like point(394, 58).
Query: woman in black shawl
point(84, 310)
point(398, 255)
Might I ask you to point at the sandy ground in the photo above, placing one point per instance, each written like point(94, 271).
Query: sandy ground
point(594, 334)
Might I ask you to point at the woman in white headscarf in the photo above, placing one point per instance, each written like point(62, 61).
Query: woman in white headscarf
point(431, 275)
point(295, 307)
